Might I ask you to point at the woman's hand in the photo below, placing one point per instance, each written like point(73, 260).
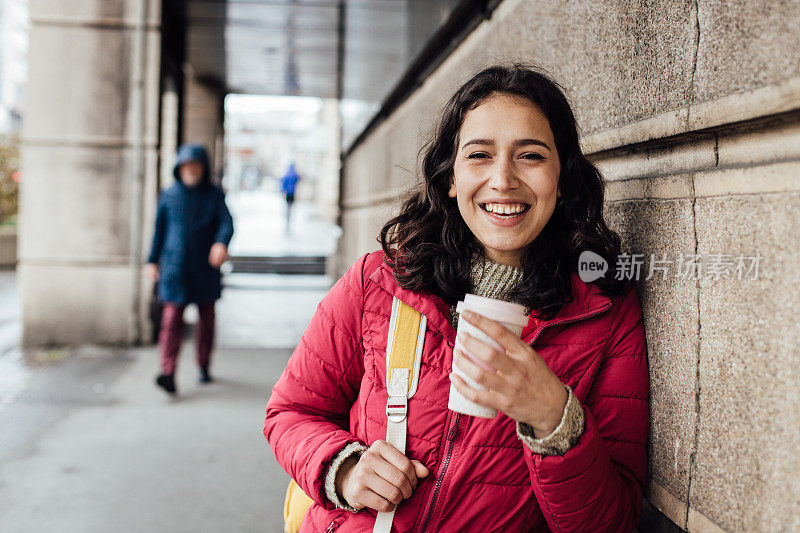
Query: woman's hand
point(380, 479)
point(519, 382)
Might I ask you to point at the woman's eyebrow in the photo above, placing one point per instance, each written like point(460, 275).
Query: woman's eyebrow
point(518, 142)
point(525, 142)
point(482, 142)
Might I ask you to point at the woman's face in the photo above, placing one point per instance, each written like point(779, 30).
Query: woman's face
point(505, 177)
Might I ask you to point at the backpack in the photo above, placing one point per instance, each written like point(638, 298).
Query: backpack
point(403, 355)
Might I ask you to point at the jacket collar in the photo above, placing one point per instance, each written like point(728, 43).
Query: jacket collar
point(587, 301)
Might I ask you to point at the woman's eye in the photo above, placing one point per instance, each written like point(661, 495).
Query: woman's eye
point(533, 155)
point(477, 155)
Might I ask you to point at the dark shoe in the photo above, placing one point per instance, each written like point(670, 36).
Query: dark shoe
point(205, 377)
point(166, 382)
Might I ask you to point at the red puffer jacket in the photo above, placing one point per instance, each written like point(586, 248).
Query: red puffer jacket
point(483, 478)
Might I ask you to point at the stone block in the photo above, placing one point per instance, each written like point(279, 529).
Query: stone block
point(107, 12)
point(665, 228)
point(745, 45)
point(747, 470)
point(82, 88)
point(77, 203)
point(74, 304)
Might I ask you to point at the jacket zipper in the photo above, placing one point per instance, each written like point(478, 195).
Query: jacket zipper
point(333, 525)
point(453, 431)
point(451, 438)
point(569, 321)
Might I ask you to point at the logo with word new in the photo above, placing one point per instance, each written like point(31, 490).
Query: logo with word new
point(591, 266)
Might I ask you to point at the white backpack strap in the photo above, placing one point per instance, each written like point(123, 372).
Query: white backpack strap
point(403, 354)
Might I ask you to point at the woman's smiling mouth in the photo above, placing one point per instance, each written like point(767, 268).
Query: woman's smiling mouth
point(505, 214)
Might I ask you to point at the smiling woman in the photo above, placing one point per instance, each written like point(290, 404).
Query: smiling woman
point(507, 143)
point(506, 205)
point(505, 176)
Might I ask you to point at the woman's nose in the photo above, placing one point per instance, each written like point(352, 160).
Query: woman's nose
point(503, 176)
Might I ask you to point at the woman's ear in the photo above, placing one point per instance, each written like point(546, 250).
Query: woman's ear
point(452, 191)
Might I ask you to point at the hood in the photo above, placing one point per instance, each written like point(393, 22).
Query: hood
point(192, 152)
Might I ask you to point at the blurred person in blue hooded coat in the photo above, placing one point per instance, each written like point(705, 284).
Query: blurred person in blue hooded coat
point(192, 231)
point(288, 187)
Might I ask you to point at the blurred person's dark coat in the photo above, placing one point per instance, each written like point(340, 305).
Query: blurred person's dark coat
point(189, 221)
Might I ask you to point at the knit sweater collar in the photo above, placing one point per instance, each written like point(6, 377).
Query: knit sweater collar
point(492, 280)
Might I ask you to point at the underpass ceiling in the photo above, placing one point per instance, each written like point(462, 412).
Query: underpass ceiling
point(279, 47)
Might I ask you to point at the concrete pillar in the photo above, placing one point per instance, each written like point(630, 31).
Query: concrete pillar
point(89, 159)
point(203, 121)
point(327, 193)
point(170, 115)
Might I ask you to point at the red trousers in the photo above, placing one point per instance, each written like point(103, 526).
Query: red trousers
point(171, 335)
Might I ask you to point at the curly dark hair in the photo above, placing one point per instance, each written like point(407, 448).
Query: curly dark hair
point(429, 246)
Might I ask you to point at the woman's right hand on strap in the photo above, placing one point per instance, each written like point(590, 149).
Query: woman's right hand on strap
point(380, 479)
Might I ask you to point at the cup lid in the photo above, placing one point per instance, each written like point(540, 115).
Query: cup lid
point(507, 312)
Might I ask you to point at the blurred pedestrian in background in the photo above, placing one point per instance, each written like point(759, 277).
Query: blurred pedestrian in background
point(288, 186)
point(192, 231)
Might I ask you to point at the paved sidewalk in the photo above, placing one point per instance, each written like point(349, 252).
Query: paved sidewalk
point(259, 221)
point(90, 445)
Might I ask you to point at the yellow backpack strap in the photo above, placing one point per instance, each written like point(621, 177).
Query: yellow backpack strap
point(403, 355)
point(404, 344)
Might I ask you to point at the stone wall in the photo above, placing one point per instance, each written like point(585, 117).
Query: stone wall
point(692, 112)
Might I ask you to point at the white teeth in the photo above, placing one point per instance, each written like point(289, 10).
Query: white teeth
point(504, 209)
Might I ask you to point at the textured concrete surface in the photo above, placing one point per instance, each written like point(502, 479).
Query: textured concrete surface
point(744, 45)
point(620, 61)
point(664, 228)
point(741, 345)
point(747, 471)
point(362, 227)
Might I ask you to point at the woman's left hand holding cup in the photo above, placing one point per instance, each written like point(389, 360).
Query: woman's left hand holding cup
point(518, 382)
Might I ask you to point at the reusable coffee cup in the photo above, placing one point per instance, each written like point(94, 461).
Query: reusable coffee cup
point(512, 316)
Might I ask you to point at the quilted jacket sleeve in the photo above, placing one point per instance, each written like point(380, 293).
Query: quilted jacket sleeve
point(308, 412)
point(597, 485)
